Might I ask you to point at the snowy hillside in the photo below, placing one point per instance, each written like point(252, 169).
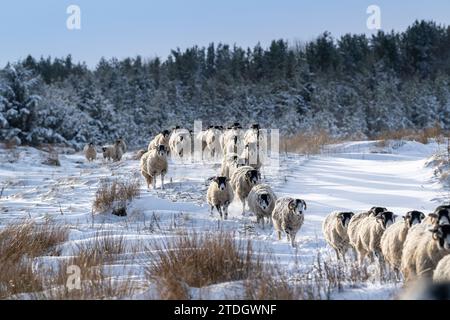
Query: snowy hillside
point(351, 176)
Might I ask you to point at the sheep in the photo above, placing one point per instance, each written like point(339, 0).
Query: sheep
point(138, 155)
point(122, 144)
point(334, 229)
point(161, 139)
point(231, 141)
point(220, 195)
point(440, 216)
point(288, 217)
point(154, 163)
point(230, 163)
point(425, 289)
point(423, 250)
point(261, 201)
point(243, 180)
point(212, 141)
point(253, 156)
point(180, 143)
point(394, 237)
point(89, 152)
point(365, 233)
point(257, 136)
point(442, 272)
point(113, 152)
point(353, 225)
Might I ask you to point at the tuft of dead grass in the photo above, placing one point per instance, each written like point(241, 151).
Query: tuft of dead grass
point(423, 136)
point(19, 244)
point(114, 195)
point(198, 260)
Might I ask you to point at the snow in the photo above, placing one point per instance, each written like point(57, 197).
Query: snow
point(352, 176)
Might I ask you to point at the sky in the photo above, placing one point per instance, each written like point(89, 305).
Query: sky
point(118, 28)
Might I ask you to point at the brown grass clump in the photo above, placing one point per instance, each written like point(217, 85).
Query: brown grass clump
point(199, 260)
point(114, 195)
point(19, 244)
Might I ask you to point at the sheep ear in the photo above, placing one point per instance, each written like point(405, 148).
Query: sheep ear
point(433, 215)
point(422, 216)
point(405, 218)
point(304, 204)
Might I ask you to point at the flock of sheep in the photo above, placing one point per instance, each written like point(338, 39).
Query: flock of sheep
point(243, 153)
point(418, 246)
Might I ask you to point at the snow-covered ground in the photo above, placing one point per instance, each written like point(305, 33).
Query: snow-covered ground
point(351, 176)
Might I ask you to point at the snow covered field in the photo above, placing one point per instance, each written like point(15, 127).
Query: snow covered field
point(351, 176)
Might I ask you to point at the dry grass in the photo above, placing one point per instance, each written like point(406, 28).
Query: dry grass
point(423, 136)
point(199, 260)
point(114, 195)
point(19, 244)
point(307, 143)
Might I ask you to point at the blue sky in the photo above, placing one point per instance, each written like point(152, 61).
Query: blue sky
point(151, 28)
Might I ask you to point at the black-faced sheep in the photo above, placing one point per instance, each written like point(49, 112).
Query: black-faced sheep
point(423, 250)
point(220, 195)
point(153, 164)
point(334, 229)
point(394, 237)
point(242, 181)
point(261, 201)
point(288, 217)
point(89, 152)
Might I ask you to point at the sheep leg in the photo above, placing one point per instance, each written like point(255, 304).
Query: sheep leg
point(337, 254)
point(211, 210)
point(154, 183)
point(162, 181)
point(293, 244)
point(243, 206)
point(279, 235)
point(226, 210)
point(219, 209)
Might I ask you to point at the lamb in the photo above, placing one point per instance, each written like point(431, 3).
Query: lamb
point(90, 153)
point(242, 181)
point(261, 201)
point(288, 217)
point(335, 232)
point(180, 143)
point(220, 195)
point(423, 250)
point(442, 272)
point(394, 237)
point(160, 139)
point(365, 235)
point(154, 163)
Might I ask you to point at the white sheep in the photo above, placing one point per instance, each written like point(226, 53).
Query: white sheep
point(230, 163)
point(423, 249)
point(261, 201)
point(288, 217)
point(440, 216)
point(257, 136)
point(160, 139)
point(89, 152)
point(113, 152)
point(394, 237)
point(242, 181)
point(252, 156)
point(180, 143)
point(220, 195)
point(442, 272)
point(212, 141)
point(232, 141)
point(366, 236)
point(143, 166)
point(155, 165)
point(122, 144)
point(334, 229)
